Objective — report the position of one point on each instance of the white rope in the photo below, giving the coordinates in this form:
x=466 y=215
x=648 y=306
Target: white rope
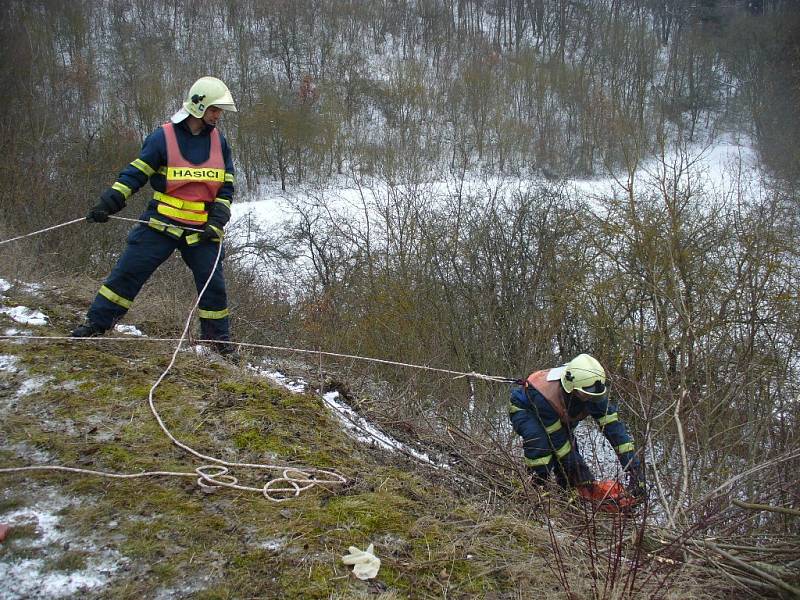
x=291 y=483
x=148 y=223
x=32 y=233
x=457 y=374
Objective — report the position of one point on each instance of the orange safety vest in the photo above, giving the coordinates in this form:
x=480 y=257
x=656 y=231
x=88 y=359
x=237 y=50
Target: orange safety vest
x=554 y=394
x=190 y=187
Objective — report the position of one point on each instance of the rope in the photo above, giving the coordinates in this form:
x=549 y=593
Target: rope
x=148 y=223
x=294 y=480
x=456 y=374
x=31 y=234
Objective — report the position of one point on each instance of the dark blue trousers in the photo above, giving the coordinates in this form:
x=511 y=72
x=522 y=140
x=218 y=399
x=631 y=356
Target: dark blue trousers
x=540 y=455
x=146 y=250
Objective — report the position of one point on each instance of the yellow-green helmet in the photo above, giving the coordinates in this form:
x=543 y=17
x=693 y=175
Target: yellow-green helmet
x=584 y=373
x=205 y=92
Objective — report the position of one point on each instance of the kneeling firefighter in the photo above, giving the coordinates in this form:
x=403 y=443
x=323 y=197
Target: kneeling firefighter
x=189 y=166
x=544 y=412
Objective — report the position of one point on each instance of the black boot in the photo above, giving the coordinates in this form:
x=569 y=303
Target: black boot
x=561 y=478
x=537 y=478
x=228 y=351
x=88 y=329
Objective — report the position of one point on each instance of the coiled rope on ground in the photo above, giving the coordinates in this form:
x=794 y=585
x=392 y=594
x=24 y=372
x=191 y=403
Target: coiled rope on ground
x=290 y=484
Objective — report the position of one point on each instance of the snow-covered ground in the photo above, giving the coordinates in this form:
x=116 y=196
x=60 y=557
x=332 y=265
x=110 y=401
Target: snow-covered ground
x=33 y=576
x=720 y=165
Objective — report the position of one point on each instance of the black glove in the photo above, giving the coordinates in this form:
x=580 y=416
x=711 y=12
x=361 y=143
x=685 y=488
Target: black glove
x=111 y=201
x=211 y=232
x=218 y=216
x=637 y=487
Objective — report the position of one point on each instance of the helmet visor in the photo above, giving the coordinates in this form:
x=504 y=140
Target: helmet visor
x=598 y=388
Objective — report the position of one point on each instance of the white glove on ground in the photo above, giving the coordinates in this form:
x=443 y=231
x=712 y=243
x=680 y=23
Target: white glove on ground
x=365 y=563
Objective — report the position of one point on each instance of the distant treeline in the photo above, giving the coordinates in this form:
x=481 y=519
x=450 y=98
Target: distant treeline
x=552 y=87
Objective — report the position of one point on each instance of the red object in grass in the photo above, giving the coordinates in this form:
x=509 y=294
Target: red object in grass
x=3 y=531
x=607 y=496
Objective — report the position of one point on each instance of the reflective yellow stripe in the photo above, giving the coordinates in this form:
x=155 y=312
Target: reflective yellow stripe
x=603 y=421
x=159 y=226
x=186 y=215
x=195 y=174
x=229 y=178
x=163 y=171
x=192 y=238
x=539 y=462
x=623 y=448
x=554 y=427
x=212 y=314
x=178 y=202
x=513 y=408
x=114 y=297
x=564 y=450
x=223 y=201
x=143 y=167
x=122 y=189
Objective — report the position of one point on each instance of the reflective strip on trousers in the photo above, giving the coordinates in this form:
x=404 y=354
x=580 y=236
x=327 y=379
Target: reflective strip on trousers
x=623 y=448
x=111 y=295
x=553 y=428
x=564 y=450
x=613 y=417
x=539 y=462
x=213 y=314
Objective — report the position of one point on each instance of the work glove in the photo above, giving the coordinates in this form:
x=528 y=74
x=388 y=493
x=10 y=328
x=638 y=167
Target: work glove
x=111 y=201
x=211 y=232
x=637 y=486
x=365 y=563
x=218 y=216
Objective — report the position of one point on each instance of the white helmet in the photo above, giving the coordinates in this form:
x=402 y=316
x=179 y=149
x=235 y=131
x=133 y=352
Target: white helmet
x=586 y=374
x=205 y=92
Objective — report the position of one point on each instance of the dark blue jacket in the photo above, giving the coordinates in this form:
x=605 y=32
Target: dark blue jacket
x=603 y=411
x=153 y=156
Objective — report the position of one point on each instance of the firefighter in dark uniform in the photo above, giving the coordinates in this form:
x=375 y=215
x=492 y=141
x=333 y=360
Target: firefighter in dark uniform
x=189 y=166
x=545 y=410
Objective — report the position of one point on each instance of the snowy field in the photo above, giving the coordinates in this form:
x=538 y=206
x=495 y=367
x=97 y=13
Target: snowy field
x=727 y=164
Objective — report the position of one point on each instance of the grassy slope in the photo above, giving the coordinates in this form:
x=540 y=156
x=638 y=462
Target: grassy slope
x=434 y=539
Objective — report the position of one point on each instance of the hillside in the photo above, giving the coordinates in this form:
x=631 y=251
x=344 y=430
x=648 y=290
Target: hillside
x=85 y=405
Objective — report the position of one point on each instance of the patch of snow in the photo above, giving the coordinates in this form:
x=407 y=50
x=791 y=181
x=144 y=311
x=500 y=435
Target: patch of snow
x=8 y=362
x=43 y=516
x=273 y=544
x=31 y=453
x=33 y=289
x=297 y=385
x=129 y=330
x=33 y=577
x=32 y=385
x=29 y=578
x=58 y=585
x=15 y=331
x=4 y=286
x=199 y=349
x=25 y=315
x=365 y=432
